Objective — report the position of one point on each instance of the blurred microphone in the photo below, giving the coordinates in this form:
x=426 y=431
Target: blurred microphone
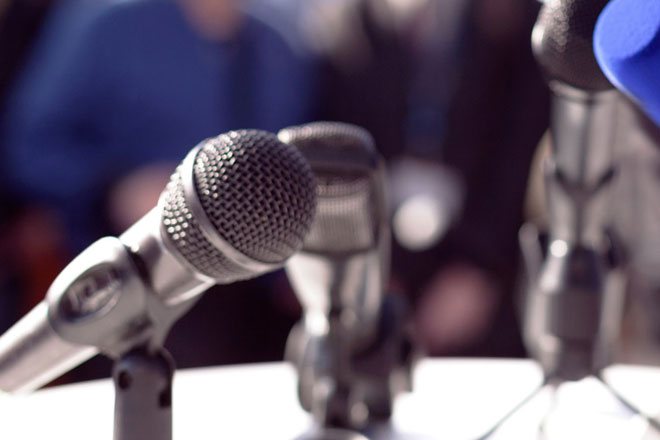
x=237 y=206
x=627 y=46
x=344 y=262
x=570 y=317
x=339 y=274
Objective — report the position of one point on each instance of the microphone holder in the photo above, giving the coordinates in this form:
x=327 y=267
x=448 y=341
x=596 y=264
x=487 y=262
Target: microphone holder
x=350 y=388
x=143 y=395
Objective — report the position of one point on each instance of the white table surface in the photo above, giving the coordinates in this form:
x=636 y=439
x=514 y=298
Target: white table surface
x=452 y=399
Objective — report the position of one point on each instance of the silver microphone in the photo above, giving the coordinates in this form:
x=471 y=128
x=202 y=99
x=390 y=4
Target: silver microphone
x=570 y=316
x=239 y=205
x=339 y=277
x=344 y=262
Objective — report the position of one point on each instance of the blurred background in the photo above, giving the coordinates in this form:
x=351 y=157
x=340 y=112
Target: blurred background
x=100 y=99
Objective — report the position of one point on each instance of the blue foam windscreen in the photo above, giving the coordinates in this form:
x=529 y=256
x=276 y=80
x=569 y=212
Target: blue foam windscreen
x=627 y=47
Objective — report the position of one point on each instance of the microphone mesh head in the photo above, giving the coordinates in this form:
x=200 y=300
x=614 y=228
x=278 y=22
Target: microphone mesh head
x=563 y=43
x=257 y=192
x=350 y=201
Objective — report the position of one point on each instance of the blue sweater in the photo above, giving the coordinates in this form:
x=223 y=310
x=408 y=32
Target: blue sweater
x=129 y=83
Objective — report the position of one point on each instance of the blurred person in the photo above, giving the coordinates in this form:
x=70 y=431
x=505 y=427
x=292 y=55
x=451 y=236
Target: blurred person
x=498 y=113
x=113 y=98
x=365 y=66
x=139 y=84
x=20 y=22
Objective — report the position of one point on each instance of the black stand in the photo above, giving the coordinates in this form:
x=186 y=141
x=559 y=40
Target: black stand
x=143 y=395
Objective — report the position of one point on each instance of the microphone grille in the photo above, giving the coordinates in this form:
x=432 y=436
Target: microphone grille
x=184 y=231
x=350 y=200
x=563 y=43
x=257 y=192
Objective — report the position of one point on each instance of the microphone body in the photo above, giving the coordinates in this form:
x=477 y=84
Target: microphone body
x=569 y=324
x=126 y=292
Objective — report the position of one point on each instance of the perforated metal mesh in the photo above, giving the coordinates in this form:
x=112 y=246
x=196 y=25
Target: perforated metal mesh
x=259 y=195
x=563 y=45
x=185 y=233
x=349 y=196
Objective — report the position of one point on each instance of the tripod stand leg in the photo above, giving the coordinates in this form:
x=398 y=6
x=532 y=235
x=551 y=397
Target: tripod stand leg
x=513 y=410
x=543 y=426
x=655 y=424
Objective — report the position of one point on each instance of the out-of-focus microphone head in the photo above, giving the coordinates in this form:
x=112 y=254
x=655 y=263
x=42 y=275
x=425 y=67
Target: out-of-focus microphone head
x=627 y=46
x=350 y=192
x=562 y=43
x=239 y=203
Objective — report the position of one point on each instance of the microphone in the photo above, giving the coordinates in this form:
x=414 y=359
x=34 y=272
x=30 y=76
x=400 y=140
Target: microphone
x=237 y=206
x=627 y=47
x=344 y=262
x=570 y=313
x=340 y=274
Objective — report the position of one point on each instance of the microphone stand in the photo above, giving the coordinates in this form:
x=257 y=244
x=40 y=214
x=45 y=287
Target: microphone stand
x=143 y=395
x=350 y=389
x=575 y=302
x=132 y=332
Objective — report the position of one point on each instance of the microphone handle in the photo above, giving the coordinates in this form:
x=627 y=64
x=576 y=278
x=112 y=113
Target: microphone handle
x=103 y=301
x=32 y=353
x=84 y=306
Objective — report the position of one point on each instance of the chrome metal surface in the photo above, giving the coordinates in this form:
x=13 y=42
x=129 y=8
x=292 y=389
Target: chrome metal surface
x=344 y=263
x=32 y=353
x=581 y=169
x=352 y=285
x=349 y=349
